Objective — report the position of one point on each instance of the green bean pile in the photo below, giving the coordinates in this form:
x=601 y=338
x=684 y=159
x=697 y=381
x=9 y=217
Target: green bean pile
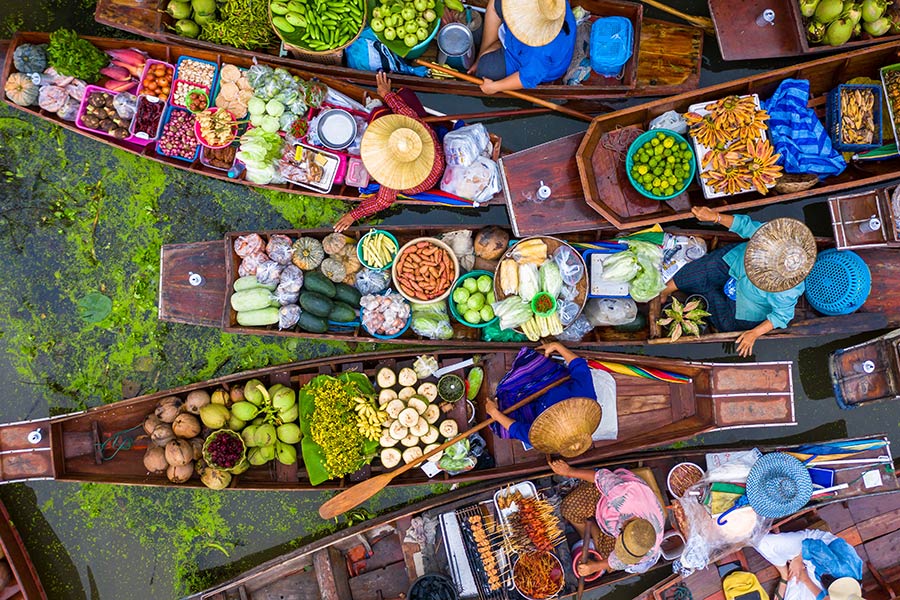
x=319 y=25
x=244 y=24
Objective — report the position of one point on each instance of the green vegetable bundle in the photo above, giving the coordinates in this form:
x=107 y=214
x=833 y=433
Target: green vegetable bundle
x=75 y=57
x=318 y=25
x=243 y=24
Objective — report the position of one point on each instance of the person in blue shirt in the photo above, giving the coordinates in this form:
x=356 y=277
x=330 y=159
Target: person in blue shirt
x=524 y=43
x=580 y=384
x=767 y=273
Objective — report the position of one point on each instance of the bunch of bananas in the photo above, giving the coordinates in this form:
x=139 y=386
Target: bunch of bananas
x=740 y=168
x=732 y=112
x=369 y=418
x=857 y=116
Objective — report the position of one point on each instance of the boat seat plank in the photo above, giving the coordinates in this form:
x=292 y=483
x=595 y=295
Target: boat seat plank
x=642 y=404
x=646 y=473
x=391 y=581
x=25 y=465
x=386 y=550
x=179 y=301
x=876 y=526
x=740 y=39
x=704 y=583
x=884 y=552
x=871 y=506
x=747 y=410
x=15 y=436
x=750 y=377
x=838 y=515
x=331 y=575
x=668 y=55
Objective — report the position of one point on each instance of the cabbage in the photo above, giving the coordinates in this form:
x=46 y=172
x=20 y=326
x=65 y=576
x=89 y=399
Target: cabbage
x=431 y=320
x=551 y=280
x=621 y=266
x=647 y=284
x=645 y=251
x=512 y=312
x=256 y=106
x=529 y=282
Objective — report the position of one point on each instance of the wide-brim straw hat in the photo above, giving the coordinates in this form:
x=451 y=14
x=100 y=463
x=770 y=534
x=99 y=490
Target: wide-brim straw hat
x=397 y=151
x=780 y=255
x=566 y=427
x=778 y=485
x=637 y=539
x=845 y=588
x=534 y=22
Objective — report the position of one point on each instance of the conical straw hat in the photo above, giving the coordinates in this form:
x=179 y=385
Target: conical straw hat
x=637 y=539
x=566 y=427
x=780 y=255
x=397 y=151
x=534 y=22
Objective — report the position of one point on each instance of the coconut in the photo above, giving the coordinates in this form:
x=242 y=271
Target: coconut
x=214 y=416
x=195 y=401
x=186 y=426
x=838 y=32
x=253 y=391
x=808 y=7
x=197 y=445
x=179 y=453
x=220 y=397
x=180 y=474
x=878 y=27
x=829 y=10
x=162 y=435
x=155 y=460
x=168 y=408
x=236 y=393
x=245 y=411
x=151 y=422
x=215 y=479
x=491 y=242
x=872 y=10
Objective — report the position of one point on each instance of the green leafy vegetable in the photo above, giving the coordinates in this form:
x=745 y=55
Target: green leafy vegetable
x=551 y=280
x=75 y=57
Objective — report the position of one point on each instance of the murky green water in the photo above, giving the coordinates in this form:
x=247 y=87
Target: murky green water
x=77 y=216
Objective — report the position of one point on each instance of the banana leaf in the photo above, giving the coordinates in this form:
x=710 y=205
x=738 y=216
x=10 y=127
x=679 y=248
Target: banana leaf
x=314 y=461
x=396 y=45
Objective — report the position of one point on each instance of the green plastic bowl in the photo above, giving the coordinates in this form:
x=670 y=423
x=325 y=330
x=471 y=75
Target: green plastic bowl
x=359 y=253
x=455 y=313
x=636 y=144
x=534 y=302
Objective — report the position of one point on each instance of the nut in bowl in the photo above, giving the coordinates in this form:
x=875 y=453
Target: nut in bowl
x=425 y=270
x=215 y=127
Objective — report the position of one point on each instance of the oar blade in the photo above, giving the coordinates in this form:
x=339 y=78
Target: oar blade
x=354 y=496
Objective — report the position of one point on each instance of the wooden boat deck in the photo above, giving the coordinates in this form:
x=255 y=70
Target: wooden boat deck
x=678 y=47
x=850 y=211
x=853 y=386
x=24 y=584
x=651 y=413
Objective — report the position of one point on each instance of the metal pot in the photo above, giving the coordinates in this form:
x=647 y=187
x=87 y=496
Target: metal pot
x=336 y=128
x=456 y=46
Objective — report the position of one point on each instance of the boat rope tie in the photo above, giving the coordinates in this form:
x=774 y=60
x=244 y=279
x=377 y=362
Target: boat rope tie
x=679 y=592
x=118 y=441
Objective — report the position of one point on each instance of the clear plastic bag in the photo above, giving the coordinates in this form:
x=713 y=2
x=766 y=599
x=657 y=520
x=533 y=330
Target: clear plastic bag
x=478 y=181
x=463 y=247
x=251 y=263
x=279 y=249
x=610 y=311
x=288 y=315
x=432 y=321
x=464 y=145
x=125 y=105
x=372 y=282
x=69 y=110
x=670 y=120
x=567 y=312
x=569 y=292
x=577 y=330
x=571 y=268
x=269 y=273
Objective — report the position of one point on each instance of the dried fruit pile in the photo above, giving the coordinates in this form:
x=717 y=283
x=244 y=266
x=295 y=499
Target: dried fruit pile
x=857 y=116
x=892 y=87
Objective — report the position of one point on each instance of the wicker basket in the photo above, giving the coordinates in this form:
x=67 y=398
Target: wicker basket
x=325 y=57
x=790 y=183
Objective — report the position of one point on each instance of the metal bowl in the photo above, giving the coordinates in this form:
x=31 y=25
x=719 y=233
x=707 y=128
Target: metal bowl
x=336 y=128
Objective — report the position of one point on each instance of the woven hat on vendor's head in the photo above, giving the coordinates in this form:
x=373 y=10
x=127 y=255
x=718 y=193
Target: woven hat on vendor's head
x=845 y=588
x=534 y=22
x=780 y=255
x=778 y=485
x=637 y=539
x=397 y=151
x=566 y=427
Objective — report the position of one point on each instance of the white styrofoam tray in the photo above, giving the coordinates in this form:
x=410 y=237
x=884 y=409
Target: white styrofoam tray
x=526 y=488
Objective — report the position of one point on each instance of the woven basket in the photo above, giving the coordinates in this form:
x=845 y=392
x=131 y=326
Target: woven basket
x=325 y=57
x=790 y=183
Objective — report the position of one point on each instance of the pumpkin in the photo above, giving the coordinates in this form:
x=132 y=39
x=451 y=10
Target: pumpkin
x=21 y=90
x=308 y=253
x=335 y=243
x=30 y=58
x=333 y=269
x=351 y=263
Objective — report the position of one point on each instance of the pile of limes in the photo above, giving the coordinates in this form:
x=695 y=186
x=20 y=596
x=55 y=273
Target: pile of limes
x=662 y=164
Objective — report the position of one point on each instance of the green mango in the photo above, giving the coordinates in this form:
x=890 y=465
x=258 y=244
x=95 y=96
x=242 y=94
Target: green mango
x=288 y=433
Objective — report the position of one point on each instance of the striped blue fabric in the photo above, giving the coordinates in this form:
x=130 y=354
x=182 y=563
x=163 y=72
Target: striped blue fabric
x=797 y=133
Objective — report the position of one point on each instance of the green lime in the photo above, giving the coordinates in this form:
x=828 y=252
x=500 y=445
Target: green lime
x=668 y=142
x=643 y=169
x=683 y=146
x=660 y=135
x=655 y=142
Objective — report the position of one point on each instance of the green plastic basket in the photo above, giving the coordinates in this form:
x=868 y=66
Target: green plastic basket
x=636 y=144
x=455 y=313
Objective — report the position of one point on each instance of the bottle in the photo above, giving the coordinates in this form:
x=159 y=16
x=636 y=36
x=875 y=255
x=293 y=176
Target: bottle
x=766 y=17
x=866 y=366
x=871 y=224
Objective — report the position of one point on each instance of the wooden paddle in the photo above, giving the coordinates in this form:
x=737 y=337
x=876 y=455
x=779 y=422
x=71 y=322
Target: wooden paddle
x=583 y=559
x=362 y=491
x=704 y=23
x=495 y=114
x=512 y=93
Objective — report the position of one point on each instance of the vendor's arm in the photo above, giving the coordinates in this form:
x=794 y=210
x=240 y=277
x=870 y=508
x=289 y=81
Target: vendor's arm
x=382 y=199
x=493 y=411
x=797 y=570
x=746 y=340
x=558 y=348
x=564 y=469
x=508 y=83
x=591 y=566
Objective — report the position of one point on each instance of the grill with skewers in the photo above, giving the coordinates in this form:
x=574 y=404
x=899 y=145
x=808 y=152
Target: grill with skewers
x=483 y=541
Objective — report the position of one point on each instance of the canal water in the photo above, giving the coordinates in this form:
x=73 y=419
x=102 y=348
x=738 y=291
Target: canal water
x=78 y=217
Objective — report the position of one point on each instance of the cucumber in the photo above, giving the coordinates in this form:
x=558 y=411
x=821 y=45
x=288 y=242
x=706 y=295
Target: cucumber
x=316 y=303
x=295 y=19
x=347 y=294
x=256 y=318
x=342 y=313
x=249 y=282
x=252 y=299
x=311 y=323
x=315 y=281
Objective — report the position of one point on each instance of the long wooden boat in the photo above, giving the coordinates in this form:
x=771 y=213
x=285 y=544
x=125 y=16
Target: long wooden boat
x=741 y=38
x=870 y=523
x=650 y=413
x=23 y=583
x=868 y=372
x=589 y=186
x=208 y=304
x=170 y=53
x=332 y=567
x=667 y=59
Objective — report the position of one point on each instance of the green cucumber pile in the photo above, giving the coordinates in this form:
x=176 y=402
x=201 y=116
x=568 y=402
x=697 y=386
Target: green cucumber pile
x=319 y=25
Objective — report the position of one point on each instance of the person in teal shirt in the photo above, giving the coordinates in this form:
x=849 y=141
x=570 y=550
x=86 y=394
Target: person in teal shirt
x=766 y=275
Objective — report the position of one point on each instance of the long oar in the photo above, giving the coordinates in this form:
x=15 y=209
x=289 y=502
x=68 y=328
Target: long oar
x=704 y=23
x=583 y=559
x=515 y=94
x=361 y=492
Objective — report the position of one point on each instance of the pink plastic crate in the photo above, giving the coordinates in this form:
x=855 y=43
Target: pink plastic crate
x=82 y=109
x=150 y=63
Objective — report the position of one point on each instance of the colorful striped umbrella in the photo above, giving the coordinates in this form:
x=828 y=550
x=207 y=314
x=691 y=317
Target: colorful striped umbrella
x=636 y=371
x=812 y=453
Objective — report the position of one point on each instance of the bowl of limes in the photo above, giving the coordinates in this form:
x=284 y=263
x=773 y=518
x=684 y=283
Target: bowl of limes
x=660 y=164
x=471 y=299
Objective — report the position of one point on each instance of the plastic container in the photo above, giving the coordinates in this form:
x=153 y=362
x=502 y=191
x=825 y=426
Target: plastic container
x=332 y=162
x=82 y=110
x=356 y=174
x=140 y=135
x=359 y=252
x=597 y=286
x=189 y=87
x=545 y=313
x=592 y=555
x=203 y=92
x=611 y=46
x=381 y=336
x=895 y=118
x=833 y=117
x=839 y=282
x=205 y=161
x=165 y=119
x=147 y=66
x=676 y=467
x=629 y=162
x=203 y=141
x=336 y=128
x=455 y=313
x=526 y=488
x=419 y=49
x=201 y=84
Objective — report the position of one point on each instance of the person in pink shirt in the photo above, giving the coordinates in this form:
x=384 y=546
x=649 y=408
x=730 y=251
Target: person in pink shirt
x=626 y=508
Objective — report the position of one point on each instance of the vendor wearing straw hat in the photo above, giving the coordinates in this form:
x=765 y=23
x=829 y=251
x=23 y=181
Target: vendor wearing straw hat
x=625 y=507
x=524 y=43
x=400 y=152
x=767 y=273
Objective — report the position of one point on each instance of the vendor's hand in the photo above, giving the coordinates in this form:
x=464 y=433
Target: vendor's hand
x=796 y=568
x=782 y=571
x=550 y=347
x=344 y=222
x=489 y=86
x=705 y=214
x=589 y=568
x=745 y=342
x=471 y=70
x=382 y=84
x=560 y=467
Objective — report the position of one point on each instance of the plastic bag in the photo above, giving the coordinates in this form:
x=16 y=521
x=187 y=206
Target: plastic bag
x=269 y=273
x=571 y=268
x=463 y=146
x=368 y=54
x=257 y=75
x=372 y=282
x=285 y=296
x=432 y=321
x=69 y=110
x=288 y=316
x=279 y=249
x=679 y=250
x=529 y=282
x=493 y=333
x=251 y=262
x=463 y=247
x=569 y=292
x=567 y=312
x=456 y=459
x=610 y=311
x=125 y=105
x=670 y=120
x=577 y=330
x=512 y=312
x=478 y=181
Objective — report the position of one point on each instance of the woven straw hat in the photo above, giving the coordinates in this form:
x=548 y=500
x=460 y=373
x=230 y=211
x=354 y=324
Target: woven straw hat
x=566 y=427
x=845 y=588
x=397 y=151
x=780 y=255
x=534 y=22
x=637 y=539
x=778 y=485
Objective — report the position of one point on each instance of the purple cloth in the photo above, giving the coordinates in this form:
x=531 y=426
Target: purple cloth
x=530 y=372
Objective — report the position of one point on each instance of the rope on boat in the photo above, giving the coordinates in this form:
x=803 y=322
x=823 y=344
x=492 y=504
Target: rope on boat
x=679 y=592
x=619 y=140
x=116 y=443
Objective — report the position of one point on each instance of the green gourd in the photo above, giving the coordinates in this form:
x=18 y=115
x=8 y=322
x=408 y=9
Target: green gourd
x=311 y=323
x=314 y=281
x=347 y=294
x=252 y=299
x=342 y=313
x=259 y=317
x=316 y=303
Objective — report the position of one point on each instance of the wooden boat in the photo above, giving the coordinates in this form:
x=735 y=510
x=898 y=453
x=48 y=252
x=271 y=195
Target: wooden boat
x=851 y=219
x=208 y=303
x=333 y=567
x=170 y=53
x=23 y=583
x=651 y=413
x=667 y=58
x=870 y=523
x=741 y=38
x=868 y=372
x=589 y=186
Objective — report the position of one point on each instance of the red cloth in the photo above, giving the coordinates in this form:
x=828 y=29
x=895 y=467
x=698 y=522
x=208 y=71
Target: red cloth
x=386 y=196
